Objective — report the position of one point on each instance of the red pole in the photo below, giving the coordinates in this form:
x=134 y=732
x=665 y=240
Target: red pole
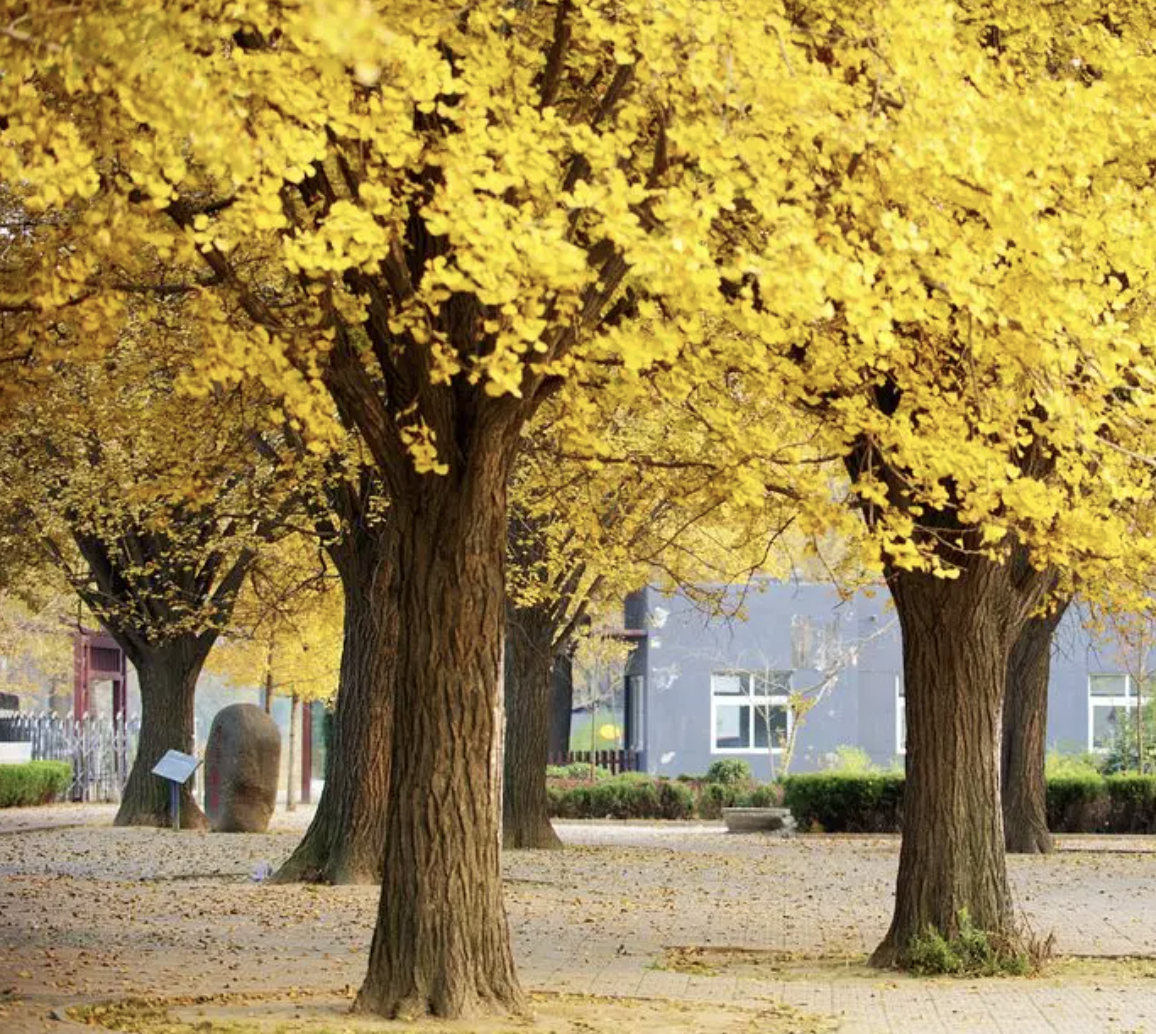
x=80 y=677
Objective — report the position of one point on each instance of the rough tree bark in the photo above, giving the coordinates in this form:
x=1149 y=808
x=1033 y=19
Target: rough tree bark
x=529 y=672
x=168 y=680
x=1025 y=722
x=441 y=944
x=956 y=638
x=561 y=702
x=345 y=842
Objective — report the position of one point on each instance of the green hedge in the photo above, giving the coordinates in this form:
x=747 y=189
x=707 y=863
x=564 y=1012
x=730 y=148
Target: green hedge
x=34 y=782
x=627 y=796
x=873 y=803
x=845 y=802
x=842 y=802
x=634 y=795
x=1131 y=803
x=1078 y=804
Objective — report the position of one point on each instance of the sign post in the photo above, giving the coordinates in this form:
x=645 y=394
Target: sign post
x=176 y=768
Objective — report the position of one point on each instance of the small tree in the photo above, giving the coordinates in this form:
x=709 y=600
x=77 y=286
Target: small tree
x=1129 y=640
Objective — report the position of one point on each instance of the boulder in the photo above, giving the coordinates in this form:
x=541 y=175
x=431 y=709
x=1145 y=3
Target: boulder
x=242 y=759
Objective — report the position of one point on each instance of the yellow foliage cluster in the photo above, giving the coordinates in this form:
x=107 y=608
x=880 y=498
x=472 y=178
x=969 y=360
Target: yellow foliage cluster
x=286 y=629
x=903 y=244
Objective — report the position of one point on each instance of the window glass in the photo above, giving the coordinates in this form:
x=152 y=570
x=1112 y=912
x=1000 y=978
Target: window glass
x=778 y=726
x=732 y=726
x=726 y=683
x=1105 y=722
x=1108 y=685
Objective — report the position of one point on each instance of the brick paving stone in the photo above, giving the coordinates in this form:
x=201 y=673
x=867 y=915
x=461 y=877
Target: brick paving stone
x=595 y=918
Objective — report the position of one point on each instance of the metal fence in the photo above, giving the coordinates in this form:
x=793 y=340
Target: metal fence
x=615 y=760
x=100 y=749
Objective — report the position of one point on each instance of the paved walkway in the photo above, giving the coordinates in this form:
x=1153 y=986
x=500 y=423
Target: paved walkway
x=88 y=911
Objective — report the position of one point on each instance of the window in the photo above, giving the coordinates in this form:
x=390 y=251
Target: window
x=900 y=717
x=750 y=711
x=1110 y=697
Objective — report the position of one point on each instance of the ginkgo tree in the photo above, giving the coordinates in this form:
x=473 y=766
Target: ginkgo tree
x=151 y=506
x=985 y=368
x=345 y=842
x=428 y=217
x=1023 y=746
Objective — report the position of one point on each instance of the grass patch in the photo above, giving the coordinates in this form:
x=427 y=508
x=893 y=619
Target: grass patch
x=971 y=952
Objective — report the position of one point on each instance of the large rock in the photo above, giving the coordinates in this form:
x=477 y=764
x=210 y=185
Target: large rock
x=242 y=759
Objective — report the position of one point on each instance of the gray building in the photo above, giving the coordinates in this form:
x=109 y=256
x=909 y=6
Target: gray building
x=699 y=688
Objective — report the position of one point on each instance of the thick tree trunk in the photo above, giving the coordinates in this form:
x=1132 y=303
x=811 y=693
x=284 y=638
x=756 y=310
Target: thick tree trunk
x=561 y=703
x=442 y=944
x=168 y=680
x=529 y=672
x=956 y=639
x=345 y=842
x=1025 y=724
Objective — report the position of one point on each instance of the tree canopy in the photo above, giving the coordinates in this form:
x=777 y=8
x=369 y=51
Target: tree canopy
x=925 y=219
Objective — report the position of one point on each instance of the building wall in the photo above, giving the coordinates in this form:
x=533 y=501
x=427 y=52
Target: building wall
x=1074 y=656
x=685 y=646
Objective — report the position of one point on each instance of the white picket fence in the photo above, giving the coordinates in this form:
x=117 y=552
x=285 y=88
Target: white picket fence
x=100 y=748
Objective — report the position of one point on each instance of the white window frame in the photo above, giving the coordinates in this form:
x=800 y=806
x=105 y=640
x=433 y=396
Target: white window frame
x=749 y=699
x=1127 y=702
x=900 y=717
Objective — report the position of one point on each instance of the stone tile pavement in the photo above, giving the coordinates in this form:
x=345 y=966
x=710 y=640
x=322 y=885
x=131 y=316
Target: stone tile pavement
x=89 y=911
x=622 y=894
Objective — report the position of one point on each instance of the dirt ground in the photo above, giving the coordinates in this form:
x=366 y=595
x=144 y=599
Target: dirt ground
x=631 y=928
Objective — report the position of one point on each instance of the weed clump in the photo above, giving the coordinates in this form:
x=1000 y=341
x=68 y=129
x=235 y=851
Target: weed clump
x=972 y=952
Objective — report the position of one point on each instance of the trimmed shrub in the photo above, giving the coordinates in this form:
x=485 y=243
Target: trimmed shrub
x=840 y=802
x=837 y=802
x=675 y=801
x=1131 y=803
x=631 y=795
x=625 y=797
x=34 y=782
x=576 y=770
x=769 y=795
x=713 y=797
x=729 y=772
x=1078 y=804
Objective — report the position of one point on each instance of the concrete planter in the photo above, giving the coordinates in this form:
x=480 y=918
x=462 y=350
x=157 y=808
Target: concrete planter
x=759 y=820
